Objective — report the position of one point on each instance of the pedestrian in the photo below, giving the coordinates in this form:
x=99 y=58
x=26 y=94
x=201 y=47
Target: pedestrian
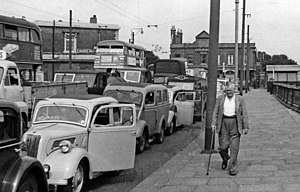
x=230 y=121
x=115 y=77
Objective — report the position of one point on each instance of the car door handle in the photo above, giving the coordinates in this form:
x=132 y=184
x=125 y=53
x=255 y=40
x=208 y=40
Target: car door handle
x=133 y=133
x=17 y=150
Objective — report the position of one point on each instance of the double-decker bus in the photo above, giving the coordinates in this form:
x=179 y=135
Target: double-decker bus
x=22 y=42
x=128 y=58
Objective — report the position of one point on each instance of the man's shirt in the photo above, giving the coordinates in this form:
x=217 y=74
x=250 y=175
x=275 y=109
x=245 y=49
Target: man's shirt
x=229 y=106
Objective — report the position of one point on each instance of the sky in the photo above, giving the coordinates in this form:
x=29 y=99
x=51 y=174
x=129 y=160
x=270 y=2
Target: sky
x=273 y=24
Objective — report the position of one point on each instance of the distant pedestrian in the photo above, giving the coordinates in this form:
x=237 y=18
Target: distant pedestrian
x=230 y=120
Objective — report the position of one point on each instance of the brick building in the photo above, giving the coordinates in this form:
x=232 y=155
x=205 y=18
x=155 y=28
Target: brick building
x=85 y=36
x=196 y=54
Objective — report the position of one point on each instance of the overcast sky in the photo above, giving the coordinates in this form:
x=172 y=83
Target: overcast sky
x=274 y=26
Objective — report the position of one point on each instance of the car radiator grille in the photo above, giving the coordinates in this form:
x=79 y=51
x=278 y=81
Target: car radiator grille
x=33 y=145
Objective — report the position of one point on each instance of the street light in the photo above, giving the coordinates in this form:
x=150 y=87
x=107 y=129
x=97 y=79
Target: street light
x=138 y=30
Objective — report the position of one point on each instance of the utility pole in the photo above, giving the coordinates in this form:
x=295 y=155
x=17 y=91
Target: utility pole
x=53 y=50
x=212 y=70
x=236 y=51
x=242 y=50
x=248 y=61
x=70 y=41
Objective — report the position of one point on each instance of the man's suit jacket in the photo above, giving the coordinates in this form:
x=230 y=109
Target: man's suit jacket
x=240 y=111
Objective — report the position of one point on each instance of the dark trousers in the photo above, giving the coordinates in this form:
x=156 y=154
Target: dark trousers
x=229 y=137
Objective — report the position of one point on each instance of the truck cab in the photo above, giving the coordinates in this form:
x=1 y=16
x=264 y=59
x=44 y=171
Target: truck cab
x=11 y=88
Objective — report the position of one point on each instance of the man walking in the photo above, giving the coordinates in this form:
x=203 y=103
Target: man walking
x=230 y=120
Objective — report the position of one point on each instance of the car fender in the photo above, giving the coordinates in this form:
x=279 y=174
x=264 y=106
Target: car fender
x=140 y=126
x=20 y=168
x=170 y=117
x=64 y=165
x=162 y=119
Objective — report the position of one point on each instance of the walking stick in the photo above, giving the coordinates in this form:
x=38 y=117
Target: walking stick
x=210 y=152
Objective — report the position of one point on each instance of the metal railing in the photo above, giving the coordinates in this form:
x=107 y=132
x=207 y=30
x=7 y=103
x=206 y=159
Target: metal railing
x=288 y=94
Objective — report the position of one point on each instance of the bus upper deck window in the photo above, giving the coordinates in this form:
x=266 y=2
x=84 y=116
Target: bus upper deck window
x=116 y=49
x=23 y=34
x=34 y=36
x=11 y=32
x=103 y=49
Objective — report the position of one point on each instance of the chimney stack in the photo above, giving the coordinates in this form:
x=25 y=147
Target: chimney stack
x=93 y=19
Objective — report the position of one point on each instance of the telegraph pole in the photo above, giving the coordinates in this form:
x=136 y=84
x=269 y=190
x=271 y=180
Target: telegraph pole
x=242 y=50
x=248 y=61
x=70 y=41
x=212 y=70
x=53 y=50
x=236 y=51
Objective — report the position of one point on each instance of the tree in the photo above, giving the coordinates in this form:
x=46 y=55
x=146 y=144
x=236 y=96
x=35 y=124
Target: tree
x=150 y=57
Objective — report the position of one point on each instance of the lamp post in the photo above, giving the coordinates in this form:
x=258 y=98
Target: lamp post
x=138 y=30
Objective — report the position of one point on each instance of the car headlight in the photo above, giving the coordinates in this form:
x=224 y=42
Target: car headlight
x=65 y=146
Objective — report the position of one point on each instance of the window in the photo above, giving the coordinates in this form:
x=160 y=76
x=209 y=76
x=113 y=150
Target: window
x=149 y=99
x=230 y=59
x=11 y=32
x=177 y=55
x=219 y=59
x=35 y=38
x=9 y=128
x=203 y=57
x=190 y=58
x=23 y=34
x=158 y=97
x=11 y=77
x=1 y=30
x=165 y=95
x=67 y=44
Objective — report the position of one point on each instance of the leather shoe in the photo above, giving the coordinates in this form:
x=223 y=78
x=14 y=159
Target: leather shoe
x=224 y=164
x=232 y=173
x=225 y=161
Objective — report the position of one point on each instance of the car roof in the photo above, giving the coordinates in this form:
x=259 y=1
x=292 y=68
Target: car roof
x=137 y=85
x=87 y=100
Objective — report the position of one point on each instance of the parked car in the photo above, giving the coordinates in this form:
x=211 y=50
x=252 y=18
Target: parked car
x=151 y=101
x=80 y=137
x=17 y=173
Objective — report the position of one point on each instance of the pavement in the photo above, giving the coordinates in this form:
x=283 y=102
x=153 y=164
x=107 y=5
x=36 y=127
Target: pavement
x=269 y=156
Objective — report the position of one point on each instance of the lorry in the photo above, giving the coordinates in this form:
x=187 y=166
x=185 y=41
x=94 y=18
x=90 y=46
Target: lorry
x=26 y=95
x=165 y=68
x=97 y=80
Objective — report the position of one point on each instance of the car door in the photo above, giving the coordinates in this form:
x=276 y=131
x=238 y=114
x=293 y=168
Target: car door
x=149 y=112
x=12 y=86
x=112 y=138
x=185 y=104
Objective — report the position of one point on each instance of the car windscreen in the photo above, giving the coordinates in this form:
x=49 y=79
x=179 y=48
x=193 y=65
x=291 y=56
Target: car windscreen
x=124 y=96
x=64 y=113
x=132 y=76
x=63 y=77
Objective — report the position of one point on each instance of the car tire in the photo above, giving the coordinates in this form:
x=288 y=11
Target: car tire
x=161 y=136
x=78 y=181
x=141 y=143
x=171 y=128
x=28 y=184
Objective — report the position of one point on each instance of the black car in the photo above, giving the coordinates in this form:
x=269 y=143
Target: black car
x=17 y=173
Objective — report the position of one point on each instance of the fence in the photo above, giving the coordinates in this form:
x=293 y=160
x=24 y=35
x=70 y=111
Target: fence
x=288 y=94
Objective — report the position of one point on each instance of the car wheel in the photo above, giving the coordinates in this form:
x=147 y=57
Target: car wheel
x=28 y=184
x=170 y=129
x=161 y=136
x=141 y=143
x=77 y=182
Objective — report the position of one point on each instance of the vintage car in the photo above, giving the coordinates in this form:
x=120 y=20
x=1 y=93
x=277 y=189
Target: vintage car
x=152 y=106
x=79 y=137
x=17 y=173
